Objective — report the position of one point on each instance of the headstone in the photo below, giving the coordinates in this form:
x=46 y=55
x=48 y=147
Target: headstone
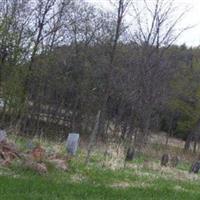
x=174 y=161
x=72 y=143
x=164 y=160
x=3 y=135
x=130 y=154
x=2 y=103
x=195 y=167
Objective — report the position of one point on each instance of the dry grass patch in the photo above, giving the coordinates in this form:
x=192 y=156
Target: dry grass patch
x=78 y=178
x=136 y=184
x=168 y=172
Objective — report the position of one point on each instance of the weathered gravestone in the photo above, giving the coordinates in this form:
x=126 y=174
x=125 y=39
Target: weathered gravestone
x=164 y=160
x=72 y=143
x=195 y=167
x=130 y=154
x=2 y=103
x=3 y=135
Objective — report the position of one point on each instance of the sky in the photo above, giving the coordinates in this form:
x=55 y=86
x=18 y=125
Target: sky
x=191 y=37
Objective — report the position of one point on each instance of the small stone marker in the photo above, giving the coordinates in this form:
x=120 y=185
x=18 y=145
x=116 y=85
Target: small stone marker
x=130 y=154
x=3 y=135
x=195 y=167
x=164 y=160
x=72 y=143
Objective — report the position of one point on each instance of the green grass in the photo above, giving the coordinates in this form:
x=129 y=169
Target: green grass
x=59 y=186
x=184 y=166
x=95 y=184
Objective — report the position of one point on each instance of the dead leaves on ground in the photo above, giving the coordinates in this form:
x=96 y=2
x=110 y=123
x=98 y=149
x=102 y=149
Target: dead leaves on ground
x=35 y=159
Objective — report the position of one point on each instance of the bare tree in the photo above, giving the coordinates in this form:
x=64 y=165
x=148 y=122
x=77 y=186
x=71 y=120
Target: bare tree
x=122 y=7
x=156 y=31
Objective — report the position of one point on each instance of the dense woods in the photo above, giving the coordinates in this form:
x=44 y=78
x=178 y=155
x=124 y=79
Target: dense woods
x=62 y=62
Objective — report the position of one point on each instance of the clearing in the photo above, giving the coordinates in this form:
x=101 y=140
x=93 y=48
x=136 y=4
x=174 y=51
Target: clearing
x=143 y=178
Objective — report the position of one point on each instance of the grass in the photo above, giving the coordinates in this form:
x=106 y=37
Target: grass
x=93 y=182
x=184 y=166
x=98 y=184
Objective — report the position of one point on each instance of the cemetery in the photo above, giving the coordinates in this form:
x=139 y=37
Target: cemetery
x=99 y=100
x=59 y=170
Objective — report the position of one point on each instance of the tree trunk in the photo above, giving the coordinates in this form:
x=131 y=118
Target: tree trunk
x=195 y=146
x=187 y=142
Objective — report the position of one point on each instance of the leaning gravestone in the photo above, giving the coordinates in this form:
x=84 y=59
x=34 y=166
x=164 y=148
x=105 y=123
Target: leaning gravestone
x=72 y=143
x=3 y=135
x=195 y=167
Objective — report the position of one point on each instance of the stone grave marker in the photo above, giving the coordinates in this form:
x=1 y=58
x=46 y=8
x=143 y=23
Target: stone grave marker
x=2 y=103
x=3 y=135
x=165 y=160
x=72 y=143
x=130 y=154
x=195 y=167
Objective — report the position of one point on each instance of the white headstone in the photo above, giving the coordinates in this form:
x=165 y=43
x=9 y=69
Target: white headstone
x=2 y=103
x=3 y=135
x=72 y=143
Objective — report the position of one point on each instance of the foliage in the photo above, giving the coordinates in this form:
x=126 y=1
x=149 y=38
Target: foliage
x=186 y=99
